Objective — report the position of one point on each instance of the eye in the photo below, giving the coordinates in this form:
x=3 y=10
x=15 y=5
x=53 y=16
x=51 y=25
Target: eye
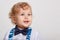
x=29 y=14
x=22 y=14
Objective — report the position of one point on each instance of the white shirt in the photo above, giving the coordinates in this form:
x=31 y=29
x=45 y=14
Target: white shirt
x=34 y=36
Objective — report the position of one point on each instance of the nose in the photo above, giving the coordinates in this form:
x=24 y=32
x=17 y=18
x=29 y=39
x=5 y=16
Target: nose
x=26 y=16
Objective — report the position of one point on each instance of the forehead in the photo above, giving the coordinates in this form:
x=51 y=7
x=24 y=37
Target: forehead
x=25 y=10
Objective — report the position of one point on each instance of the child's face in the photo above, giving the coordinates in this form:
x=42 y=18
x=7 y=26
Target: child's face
x=24 y=18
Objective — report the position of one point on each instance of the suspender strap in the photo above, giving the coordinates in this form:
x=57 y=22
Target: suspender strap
x=28 y=34
x=11 y=34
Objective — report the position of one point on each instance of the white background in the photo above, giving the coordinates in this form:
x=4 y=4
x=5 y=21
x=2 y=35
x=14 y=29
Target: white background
x=46 y=17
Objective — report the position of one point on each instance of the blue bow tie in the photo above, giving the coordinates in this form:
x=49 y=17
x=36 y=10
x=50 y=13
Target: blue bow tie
x=24 y=32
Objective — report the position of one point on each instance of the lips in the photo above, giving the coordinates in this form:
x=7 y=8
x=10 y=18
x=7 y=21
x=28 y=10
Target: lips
x=26 y=21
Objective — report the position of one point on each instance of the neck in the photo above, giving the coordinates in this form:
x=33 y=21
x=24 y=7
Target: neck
x=21 y=27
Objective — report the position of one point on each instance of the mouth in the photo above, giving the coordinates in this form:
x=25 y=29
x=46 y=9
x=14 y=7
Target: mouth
x=26 y=22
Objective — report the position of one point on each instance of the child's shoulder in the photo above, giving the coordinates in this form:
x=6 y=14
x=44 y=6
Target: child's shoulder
x=35 y=32
x=7 y=34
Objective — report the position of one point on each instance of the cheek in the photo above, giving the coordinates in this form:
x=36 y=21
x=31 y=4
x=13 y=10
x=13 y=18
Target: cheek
x=30 y=18
x=20 y=19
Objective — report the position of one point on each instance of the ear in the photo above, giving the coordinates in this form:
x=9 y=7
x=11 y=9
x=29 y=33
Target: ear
x=14 y=19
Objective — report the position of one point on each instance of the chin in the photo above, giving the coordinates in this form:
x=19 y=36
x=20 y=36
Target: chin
x=26 y=26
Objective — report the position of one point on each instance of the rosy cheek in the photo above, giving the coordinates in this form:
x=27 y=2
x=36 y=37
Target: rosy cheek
x=20 y=16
